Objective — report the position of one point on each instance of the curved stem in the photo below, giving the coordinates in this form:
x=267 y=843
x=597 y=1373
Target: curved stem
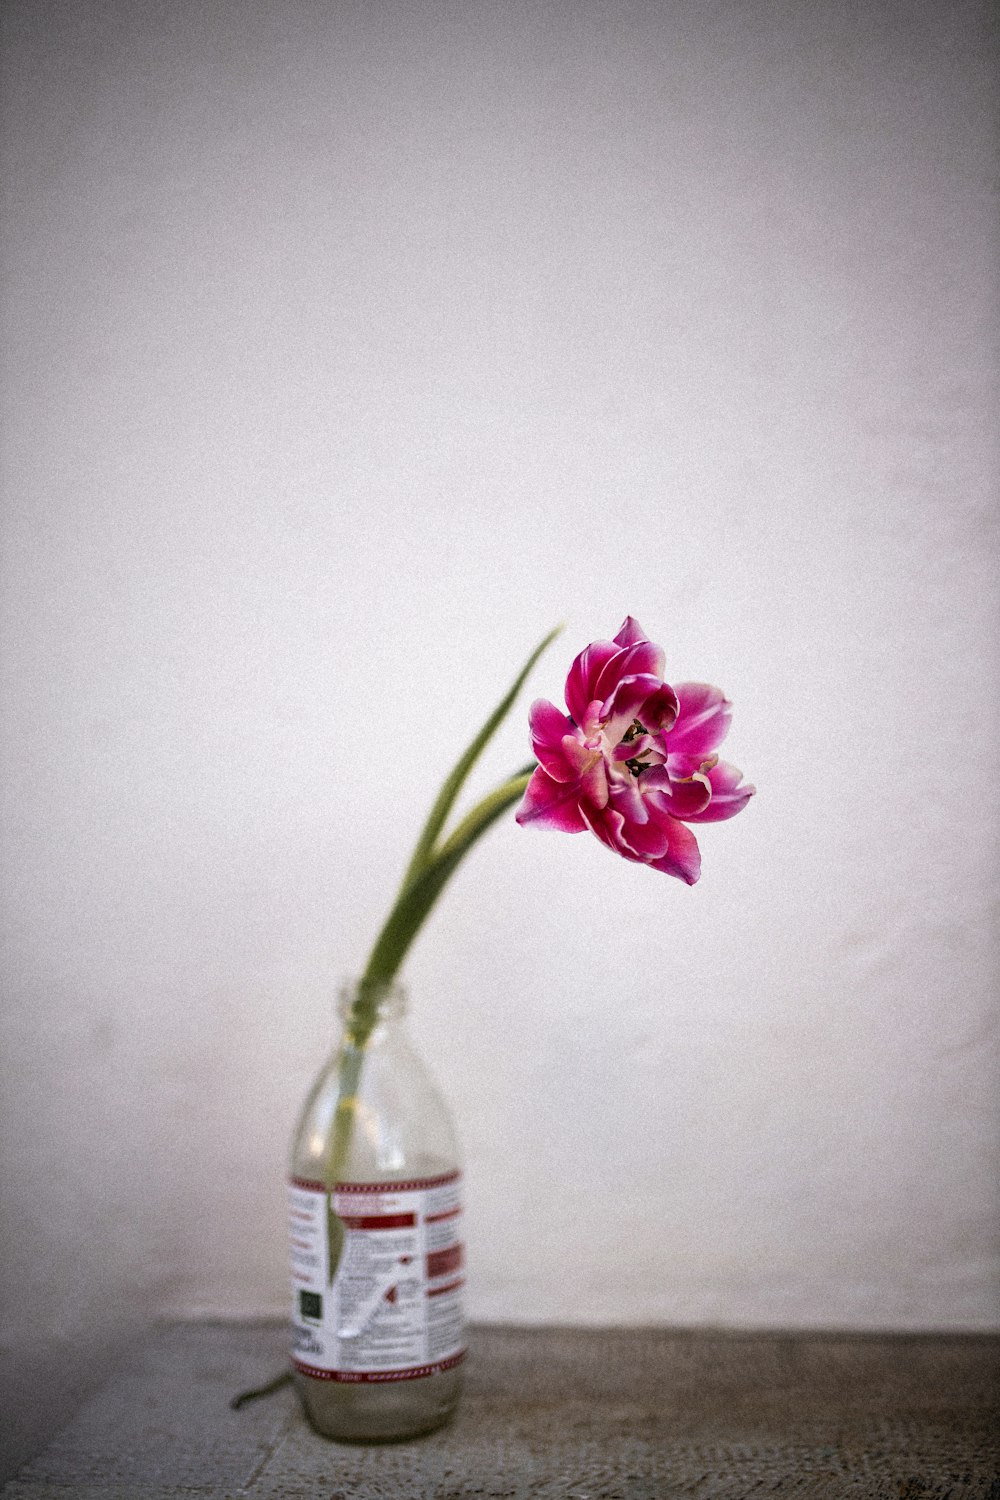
x=404 y=922
x=423 y=853
x=426 y=875
x=416 y=899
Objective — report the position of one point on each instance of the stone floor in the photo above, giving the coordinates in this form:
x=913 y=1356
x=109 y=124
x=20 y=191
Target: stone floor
x=555 y=1415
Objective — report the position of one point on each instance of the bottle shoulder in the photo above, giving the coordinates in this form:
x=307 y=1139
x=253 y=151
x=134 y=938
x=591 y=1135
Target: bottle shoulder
x=401 y=1125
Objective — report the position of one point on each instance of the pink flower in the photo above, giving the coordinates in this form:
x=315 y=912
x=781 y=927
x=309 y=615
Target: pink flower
x=634 y=761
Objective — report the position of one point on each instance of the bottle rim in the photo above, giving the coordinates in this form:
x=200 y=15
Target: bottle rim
x=390 y=996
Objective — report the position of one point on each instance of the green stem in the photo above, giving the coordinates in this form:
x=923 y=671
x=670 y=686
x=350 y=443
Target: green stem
x=348 y=1079
x=430 y=868
x=416 y=899
x=424 y=851
x=405 y=920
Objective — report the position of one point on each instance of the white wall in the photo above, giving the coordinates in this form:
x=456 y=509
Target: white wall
x=348 y=347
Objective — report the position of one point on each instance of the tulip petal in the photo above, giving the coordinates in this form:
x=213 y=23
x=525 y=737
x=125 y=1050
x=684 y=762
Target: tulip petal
x=683 y=857
x=636 y=749
x=670 y=847
x=660 y=710
x=678 y=799
x=683 y=767
x=702 y=720
x=550 y=804
x=548 y=723
x=627 y=799
x=630 y=633
x=550 y=729
x=586 y=769
x=594 y=783
x=621 y=837
x=606 y=824
x=643 y=657
x=583 y=674
x=729 y=795
x=644 y=841
x=643 y=697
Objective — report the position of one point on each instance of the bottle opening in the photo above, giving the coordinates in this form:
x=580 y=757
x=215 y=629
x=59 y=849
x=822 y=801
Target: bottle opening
x=381 y=999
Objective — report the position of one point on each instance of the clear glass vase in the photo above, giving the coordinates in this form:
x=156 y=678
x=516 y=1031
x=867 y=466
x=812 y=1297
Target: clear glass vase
x=375 y=1235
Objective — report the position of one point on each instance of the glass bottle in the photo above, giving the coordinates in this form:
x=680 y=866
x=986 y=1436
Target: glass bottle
x=377 y=1264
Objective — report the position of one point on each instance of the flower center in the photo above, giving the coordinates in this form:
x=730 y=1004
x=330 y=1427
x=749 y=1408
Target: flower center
x=636 y=764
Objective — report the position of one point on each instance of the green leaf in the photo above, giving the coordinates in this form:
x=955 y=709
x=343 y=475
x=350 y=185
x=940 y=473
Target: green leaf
x=428 y=871
x=419 y=895
x=437 y=817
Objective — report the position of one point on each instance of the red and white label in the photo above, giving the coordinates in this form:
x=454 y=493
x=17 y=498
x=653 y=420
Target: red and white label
x=394 y=1310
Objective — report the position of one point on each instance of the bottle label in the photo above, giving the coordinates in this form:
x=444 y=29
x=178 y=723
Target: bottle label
x=394 y=1310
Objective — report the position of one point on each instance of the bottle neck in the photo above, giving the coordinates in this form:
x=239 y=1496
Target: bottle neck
x=364 y=1006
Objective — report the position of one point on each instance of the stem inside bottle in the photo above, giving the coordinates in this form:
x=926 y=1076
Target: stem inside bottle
x=375 y=1219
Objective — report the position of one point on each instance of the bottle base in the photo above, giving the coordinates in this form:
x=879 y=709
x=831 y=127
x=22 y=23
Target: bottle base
x=389 y=1412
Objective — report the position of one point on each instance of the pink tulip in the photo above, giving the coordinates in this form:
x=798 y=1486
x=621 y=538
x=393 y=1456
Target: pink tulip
x=634 y=760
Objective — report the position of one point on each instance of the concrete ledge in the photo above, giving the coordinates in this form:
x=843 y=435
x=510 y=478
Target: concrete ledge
x=555 y=1415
